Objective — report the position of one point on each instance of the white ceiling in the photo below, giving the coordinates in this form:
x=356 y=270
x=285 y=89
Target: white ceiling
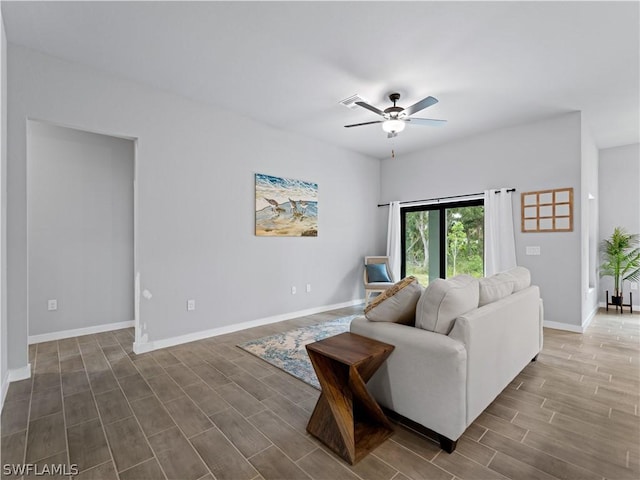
x=288 y=64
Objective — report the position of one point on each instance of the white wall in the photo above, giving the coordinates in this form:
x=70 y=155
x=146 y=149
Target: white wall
x=535 y=156
x=589 y=232
x=195 y=174
x=4 y=371
x=80 y=228
x=619 y=175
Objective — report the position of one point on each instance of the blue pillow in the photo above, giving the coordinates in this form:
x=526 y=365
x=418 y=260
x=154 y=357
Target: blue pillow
x=377 y=272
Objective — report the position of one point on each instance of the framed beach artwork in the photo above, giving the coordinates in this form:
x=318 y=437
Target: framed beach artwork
x=286 y=207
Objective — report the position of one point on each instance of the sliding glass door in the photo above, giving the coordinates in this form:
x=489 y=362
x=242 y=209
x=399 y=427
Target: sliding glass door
x=443 y=240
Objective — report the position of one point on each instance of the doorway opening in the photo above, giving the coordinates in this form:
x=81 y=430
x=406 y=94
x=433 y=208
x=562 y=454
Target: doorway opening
x=81 y=232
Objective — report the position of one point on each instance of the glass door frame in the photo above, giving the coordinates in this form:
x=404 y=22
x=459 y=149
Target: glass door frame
x=441 y=208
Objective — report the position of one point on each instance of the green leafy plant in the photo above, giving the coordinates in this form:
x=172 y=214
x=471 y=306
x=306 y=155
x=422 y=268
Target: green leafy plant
x=621 y=257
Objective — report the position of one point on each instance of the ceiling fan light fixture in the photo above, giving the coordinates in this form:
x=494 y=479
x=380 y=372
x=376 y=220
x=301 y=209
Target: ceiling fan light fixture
x=393 y=126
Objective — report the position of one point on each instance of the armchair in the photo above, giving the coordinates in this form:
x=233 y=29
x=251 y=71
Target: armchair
x=377 y=276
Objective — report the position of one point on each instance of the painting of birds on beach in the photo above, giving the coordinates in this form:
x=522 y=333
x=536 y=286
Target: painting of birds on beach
x=286 y=207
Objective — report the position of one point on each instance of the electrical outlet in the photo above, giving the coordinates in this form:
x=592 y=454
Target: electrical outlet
x=52 y=305
x=308 y=287
x=191 y=305
x=293 y=290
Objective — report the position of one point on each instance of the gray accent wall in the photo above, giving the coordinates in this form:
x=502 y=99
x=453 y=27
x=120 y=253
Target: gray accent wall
x=535 y=156
x=619 y=176
x=80 y=228
x=4 y=370
x=195 y=175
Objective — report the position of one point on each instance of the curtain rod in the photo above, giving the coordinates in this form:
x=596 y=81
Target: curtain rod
x=444 y=198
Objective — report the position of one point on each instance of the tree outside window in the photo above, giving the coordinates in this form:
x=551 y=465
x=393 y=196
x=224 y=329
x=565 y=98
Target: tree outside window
x=462 y=244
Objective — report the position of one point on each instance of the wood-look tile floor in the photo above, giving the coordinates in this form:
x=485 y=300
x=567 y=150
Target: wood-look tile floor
x=210 y=410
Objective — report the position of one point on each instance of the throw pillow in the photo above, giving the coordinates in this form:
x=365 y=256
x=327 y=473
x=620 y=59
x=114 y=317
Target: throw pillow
x=377 y=272
x=445 y=300
x=495 y=287
x=396 y=304
x=521 y=278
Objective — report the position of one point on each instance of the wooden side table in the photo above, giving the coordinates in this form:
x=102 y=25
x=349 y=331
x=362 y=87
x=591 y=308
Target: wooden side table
x=347 y=418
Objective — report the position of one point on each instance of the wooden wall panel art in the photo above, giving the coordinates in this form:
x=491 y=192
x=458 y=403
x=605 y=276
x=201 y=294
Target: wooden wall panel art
x=547 y=210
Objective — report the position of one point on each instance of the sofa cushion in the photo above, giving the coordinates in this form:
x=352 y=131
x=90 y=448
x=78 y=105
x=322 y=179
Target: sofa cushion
x=495 y=287
x=521 y=278
x=445 y=300
x=377 y=272
x=396 y=304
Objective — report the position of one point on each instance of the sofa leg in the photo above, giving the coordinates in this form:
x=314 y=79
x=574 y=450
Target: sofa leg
x=535 y=359
x=447 y=444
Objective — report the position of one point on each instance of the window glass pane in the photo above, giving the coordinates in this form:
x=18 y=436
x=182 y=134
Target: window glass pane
x=441 y=241
x=421 y=244
x=465 y=241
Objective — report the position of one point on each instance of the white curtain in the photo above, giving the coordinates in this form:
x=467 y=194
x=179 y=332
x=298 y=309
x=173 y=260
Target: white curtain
x=499 y=241
x=393 y=240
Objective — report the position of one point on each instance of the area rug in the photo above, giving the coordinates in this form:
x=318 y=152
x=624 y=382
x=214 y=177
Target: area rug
x=286 y=350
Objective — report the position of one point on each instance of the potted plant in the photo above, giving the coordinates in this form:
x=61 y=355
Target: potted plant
x=621 y=257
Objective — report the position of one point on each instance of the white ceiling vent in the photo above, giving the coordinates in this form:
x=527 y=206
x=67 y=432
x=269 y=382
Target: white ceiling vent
x=351 y=101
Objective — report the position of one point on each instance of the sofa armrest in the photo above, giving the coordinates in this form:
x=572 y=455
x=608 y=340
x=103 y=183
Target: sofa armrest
x=423 y=379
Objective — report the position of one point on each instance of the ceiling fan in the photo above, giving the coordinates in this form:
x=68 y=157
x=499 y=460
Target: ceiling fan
x=396 y=118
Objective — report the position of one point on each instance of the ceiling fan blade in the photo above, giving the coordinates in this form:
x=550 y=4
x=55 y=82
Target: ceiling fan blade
x=360 y=124
x=422 y=104
x=432 y=122
x=371 y=107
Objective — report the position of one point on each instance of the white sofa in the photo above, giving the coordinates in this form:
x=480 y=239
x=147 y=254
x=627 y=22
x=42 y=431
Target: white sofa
x=444 y=380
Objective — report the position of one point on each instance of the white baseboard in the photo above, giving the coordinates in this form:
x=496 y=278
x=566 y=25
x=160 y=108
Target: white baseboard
x=140 y=348
x=581 y=329
x=587 y=322
x=76 y=332
x=563 y=326
x=21 y=373
x=13 y=375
